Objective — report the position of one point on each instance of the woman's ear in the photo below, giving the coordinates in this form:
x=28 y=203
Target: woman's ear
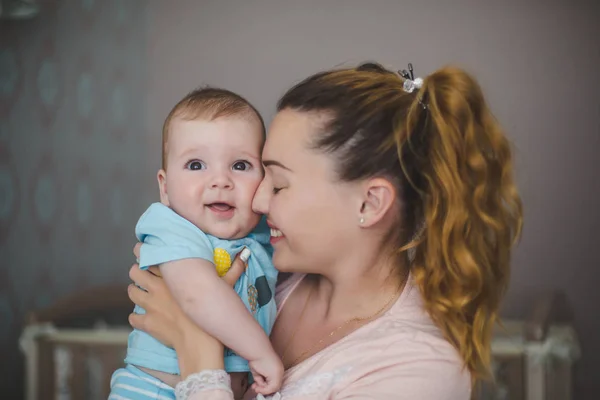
x=161 y=176
x=379 y=195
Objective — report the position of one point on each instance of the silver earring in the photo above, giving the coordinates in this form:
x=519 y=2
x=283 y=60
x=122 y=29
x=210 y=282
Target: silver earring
x=362 y=220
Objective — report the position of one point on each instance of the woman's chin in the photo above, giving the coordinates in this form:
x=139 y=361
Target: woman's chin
x=288 y=266
x=283 y=263
x=282 y=268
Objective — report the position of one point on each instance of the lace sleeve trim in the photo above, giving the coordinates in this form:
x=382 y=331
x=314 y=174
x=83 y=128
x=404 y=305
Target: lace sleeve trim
x=202 y=381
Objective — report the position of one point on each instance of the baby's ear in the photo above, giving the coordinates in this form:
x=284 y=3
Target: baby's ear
x=161 y=176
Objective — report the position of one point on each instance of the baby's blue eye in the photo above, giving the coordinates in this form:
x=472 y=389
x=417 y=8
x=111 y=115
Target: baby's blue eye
x=195 y=165
x=241 y=166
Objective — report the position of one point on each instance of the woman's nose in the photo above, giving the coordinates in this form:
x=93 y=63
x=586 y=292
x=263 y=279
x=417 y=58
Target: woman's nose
x=262 y=197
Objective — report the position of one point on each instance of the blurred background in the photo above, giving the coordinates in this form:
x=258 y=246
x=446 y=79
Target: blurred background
x=86 y=84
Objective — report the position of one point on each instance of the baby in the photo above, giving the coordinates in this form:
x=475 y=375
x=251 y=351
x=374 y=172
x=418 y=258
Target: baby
x=211 y=168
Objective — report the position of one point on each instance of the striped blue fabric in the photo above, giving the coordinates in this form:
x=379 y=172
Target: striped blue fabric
x=131 y=383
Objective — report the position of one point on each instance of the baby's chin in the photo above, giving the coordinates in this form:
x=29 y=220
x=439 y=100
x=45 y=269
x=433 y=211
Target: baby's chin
x=233 y=229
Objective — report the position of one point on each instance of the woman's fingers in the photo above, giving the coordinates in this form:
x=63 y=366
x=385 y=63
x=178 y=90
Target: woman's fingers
x=239 y=265
x=144 y=279
x=137 y=321
x=147 y=324
x=137 y=295
x=136 y=250
x=163 y=317
x=134 y=272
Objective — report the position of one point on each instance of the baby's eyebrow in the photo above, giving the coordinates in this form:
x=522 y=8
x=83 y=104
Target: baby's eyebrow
x=189 y=152
x=246 y=154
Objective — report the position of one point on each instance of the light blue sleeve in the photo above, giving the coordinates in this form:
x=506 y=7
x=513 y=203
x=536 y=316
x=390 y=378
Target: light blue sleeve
x=166 y=236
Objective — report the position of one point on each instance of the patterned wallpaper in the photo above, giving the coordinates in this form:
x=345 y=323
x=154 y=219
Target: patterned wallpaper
x=74 y=167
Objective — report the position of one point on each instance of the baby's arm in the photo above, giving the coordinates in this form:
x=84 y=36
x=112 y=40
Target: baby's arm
x=215 y=307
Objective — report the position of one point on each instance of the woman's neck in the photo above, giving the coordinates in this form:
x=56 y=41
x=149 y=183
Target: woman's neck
x=362 y=287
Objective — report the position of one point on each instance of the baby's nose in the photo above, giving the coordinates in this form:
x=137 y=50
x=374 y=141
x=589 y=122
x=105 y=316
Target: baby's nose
x=221 y=181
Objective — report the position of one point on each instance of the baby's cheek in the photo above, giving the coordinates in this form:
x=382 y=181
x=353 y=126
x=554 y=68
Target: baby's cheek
x=249 y=191
x=253 y=218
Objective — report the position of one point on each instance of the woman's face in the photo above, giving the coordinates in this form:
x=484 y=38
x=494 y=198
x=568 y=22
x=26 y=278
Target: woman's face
x=313 y=215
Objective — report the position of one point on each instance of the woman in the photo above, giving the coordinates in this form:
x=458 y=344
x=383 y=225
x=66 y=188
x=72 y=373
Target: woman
x=392 y=204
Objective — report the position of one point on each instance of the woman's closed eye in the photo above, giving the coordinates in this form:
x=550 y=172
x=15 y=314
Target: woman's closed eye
x=277 y=184
x=195 y=165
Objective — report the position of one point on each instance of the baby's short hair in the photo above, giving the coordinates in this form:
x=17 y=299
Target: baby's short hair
x=208 y=103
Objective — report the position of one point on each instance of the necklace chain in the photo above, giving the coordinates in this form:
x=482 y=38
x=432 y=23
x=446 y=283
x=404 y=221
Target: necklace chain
x=333 y=332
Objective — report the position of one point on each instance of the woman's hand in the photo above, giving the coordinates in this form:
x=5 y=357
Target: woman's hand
x=166 y=321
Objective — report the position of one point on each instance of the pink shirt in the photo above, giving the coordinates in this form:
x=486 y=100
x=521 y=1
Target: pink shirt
x=401 y=355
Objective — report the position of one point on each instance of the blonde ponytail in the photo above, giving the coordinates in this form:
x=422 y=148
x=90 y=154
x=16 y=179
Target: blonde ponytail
x=471 y=211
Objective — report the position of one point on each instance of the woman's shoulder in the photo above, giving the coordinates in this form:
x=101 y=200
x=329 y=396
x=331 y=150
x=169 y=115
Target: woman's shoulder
x=406 y=333
x=403 y=348
x=402 y=352
x=393 y=357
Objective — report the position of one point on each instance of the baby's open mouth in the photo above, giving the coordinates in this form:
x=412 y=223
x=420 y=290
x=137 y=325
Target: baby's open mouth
x=220 y=207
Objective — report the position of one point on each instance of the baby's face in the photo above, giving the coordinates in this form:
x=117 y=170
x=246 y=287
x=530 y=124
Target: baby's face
x=213 y=171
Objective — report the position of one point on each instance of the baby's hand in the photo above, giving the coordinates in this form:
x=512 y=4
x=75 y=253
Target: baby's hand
x=267 y=373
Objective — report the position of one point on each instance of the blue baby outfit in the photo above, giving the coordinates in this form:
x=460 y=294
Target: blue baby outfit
x=166 y=236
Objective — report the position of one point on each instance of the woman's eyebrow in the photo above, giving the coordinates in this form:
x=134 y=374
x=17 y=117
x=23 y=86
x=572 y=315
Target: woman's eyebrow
x=268 y=163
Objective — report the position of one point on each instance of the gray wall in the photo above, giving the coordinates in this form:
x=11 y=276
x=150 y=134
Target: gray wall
x=73 y=176
x=536 y=60
x=68 y=224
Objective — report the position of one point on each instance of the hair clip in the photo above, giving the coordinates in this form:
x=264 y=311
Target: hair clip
x=410 y=83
